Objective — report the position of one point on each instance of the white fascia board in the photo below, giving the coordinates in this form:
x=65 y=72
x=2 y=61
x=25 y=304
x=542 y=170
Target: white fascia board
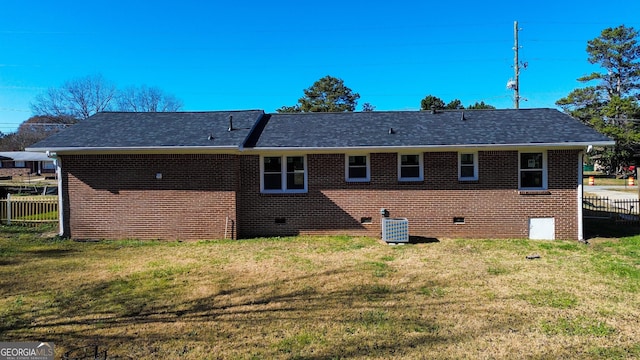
x=141 y=150
x=486 y=147
x=258 y=150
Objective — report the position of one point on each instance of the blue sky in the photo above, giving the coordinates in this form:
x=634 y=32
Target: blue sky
x=262 y=54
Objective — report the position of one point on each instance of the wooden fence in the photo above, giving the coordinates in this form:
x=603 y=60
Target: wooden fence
x=625 y=211
x=29 y=209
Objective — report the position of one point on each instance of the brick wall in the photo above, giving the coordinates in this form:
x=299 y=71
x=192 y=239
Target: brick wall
x=310 y=213
x=492 y=207
x=118 y=196
x=8 y=168
x=14 y=172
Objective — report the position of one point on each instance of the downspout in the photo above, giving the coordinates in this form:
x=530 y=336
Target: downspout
x=580 y=195
x=58 y=163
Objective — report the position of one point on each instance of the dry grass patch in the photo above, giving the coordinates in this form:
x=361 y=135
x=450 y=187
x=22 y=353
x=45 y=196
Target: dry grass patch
x=322 y=298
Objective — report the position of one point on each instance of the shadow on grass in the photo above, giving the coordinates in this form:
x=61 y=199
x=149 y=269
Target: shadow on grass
x=364 y=313
x=422 y=240
x=53 y=253
x=605 y=228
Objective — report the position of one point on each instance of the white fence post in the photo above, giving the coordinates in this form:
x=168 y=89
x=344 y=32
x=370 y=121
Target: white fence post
x=29 y=209
x=8 y=209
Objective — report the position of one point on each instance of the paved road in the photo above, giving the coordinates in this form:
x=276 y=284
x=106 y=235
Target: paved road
x=613 y=192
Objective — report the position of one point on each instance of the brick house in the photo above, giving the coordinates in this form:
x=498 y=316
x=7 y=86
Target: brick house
x=24 y=163
x=240 y=174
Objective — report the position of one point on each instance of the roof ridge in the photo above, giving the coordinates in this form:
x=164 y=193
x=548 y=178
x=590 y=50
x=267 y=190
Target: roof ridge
x=402 y=111
x=179 y=112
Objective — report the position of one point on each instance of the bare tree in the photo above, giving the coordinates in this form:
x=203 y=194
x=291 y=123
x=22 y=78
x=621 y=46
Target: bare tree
x=90 y=95
x=146 y=99
x=82 y=97
x=78 y=98
x=50 y=103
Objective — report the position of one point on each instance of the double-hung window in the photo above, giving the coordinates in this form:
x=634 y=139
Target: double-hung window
x=283 y=174
x=533 y=170
x=410 y=167
x=357 y=168
x=467 y=166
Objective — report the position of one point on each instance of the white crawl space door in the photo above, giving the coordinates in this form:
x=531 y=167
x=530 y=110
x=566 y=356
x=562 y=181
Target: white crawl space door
x=542 y=228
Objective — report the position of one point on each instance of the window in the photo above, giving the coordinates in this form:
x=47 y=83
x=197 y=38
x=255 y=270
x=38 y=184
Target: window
x=283 y=174
x=19 y=164
x=467 y=166
x=357 y=168
x=272 y=173
x=533 y=172
x=410 y=167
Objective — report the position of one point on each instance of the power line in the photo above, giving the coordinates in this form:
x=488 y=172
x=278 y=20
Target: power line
x=11 y=109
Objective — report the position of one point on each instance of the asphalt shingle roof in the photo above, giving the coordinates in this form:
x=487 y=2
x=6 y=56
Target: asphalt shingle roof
x=324 y=130
x=160 y=129
x=444 y=128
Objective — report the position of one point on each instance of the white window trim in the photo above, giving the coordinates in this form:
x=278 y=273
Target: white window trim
x=475 y=166
x=346 y=169
x=544 y=169
x=421 y=165
x=283 y=179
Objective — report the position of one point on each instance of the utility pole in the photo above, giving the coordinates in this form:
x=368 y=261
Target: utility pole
x=516 y=68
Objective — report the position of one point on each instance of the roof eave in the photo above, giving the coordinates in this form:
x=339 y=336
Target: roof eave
x=572 y=145
x=236 y=149
x=139 y=150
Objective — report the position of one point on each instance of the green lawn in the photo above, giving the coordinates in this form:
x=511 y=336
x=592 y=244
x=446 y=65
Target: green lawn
x=322 y=298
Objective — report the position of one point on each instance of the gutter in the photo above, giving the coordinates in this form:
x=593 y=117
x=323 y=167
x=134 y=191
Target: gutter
x=575 y=145
x=314 y=149
x=138 y=150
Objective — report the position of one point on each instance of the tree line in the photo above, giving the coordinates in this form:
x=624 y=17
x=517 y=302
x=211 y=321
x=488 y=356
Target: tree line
x=77 y=99
x=329 y=94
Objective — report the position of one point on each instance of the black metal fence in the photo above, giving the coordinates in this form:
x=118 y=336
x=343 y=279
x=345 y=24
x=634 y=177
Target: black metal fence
x=618 y=210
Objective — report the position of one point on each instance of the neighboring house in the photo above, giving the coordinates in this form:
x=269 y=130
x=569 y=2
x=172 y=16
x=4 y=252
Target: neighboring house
x=24 y=163
x=209 y=175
